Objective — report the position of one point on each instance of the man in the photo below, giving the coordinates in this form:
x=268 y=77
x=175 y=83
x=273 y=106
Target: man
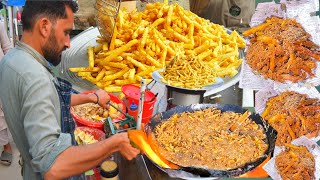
x=229 y=13
x=36 y=105
x=5 y=135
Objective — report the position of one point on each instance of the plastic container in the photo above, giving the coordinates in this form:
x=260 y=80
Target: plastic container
x=98 y=125
x=133 y=110
x=132 y=94
x=109 y=170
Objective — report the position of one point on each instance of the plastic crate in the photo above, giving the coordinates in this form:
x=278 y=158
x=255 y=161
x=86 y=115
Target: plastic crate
x=14 y=2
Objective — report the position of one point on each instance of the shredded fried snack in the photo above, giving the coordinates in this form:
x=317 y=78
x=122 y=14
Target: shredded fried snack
x=202 y=139
x=293 y=115
x=191 y=72
x=94 y=112
x=147 y=41
x=282 y=50
x=296 y=162
x=83 y=137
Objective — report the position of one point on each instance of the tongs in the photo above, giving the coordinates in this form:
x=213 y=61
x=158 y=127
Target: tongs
x=126 y=115
x=108 y=123
x=238 y=123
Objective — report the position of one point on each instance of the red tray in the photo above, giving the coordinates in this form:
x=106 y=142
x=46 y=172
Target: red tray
x=96 y=133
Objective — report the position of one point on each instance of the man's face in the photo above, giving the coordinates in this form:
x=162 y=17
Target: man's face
x=58 y=39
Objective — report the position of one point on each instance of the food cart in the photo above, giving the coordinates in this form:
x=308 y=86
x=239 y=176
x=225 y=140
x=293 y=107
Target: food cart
x=228 y=93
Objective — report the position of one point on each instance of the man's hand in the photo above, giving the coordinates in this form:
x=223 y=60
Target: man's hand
x=124 y=146
x=103 y=98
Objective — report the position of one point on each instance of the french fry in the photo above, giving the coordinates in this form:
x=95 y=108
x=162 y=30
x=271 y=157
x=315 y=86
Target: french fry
x=153 y=61
x=126 y=75
x=108 y=68
x=136 y=63
x=112 y=89
x=190 y=34
x=84 y=69
x=82 y=74
x=101 y=74
x=158 y=22
x=204 y=55
x=122 y=82
x=121 y=19
x=146 y=72
x=116 y=75
x=131 y=75
x=181 y=37
x=163 y=57
x=116 y=52
x=91 y=57
x=98 y=48
x=169 y=16
x=201 y=48
x=144 y=38
x=109 y=73
x=118 y=65
x=105 y=46
x=103 y=84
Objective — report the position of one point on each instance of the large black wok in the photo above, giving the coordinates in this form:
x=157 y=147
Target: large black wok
x=191 y=172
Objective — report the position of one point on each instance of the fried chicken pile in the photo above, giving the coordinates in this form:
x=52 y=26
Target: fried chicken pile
x=293 y=115
x=280 y=49
x=296 y=163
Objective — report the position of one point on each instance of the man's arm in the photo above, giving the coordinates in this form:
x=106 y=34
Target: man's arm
x=78 y=159
x=5 y=41
x=51 y=151
x=101 y=97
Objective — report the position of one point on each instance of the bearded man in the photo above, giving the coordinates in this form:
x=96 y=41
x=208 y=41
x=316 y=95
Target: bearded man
x=37 y=105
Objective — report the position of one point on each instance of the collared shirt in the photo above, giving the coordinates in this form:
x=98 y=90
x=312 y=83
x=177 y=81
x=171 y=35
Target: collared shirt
x=32 y=109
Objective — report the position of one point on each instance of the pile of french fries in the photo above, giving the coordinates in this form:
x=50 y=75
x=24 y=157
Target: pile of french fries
x=147 y=41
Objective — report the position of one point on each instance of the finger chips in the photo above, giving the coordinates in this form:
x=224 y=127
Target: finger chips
x=146 y=41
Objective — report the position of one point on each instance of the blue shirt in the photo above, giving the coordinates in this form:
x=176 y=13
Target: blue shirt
x=32 y=109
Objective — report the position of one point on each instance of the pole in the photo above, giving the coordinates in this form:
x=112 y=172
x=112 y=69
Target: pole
x=141 y=100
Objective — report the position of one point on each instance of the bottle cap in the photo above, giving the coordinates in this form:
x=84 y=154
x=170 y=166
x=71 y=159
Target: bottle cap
x=109 y=169
x=133 y=107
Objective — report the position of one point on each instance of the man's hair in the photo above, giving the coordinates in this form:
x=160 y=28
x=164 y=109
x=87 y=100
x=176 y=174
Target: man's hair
x=52 y=9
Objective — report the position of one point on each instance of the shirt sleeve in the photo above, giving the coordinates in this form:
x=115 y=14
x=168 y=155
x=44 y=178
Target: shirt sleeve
x=41 y=122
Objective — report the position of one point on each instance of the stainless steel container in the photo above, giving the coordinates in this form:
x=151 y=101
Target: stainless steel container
x=177 y=96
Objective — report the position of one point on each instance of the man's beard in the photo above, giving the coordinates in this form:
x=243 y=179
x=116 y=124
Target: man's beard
x=51 y=51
